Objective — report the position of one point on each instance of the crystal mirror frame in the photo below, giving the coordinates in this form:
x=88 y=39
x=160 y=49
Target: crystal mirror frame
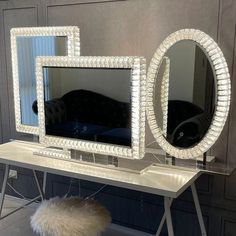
x=223 y=91
x=73 y=47
x=138 y=97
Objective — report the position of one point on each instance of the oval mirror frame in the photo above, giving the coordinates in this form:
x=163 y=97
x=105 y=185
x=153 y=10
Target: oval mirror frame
x=222 y=84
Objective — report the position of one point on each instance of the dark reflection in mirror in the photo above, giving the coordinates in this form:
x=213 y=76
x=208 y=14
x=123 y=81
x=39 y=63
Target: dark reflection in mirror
x=28 y=48
x=191 y=96
x=88 y=104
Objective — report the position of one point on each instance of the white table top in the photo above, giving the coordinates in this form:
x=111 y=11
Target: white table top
x=164 y=181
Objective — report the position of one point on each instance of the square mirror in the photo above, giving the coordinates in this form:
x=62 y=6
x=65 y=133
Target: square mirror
x=92 y=104
x=26 y=45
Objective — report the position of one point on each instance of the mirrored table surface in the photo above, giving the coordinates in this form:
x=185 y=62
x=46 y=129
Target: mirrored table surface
x=160 y=180
x=212 y=166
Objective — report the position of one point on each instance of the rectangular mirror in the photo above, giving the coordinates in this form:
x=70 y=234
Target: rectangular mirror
x=93 y=104
x=88 y=103
x=26 y=45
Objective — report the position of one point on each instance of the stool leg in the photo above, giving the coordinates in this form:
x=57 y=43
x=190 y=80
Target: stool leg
x=4 y=185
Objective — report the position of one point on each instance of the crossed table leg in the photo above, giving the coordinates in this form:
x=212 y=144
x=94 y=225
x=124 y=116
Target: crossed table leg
x=41 y=190
x=167 y=214
x=167 y=203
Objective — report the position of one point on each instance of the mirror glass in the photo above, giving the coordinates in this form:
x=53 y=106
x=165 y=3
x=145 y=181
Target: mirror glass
x=28 y=48
x=190 y=94
x=88 y=104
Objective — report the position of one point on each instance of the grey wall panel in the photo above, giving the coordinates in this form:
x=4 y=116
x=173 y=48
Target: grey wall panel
x=106 y=33
x=21 y=16
x=228 y=228
x=227 y=41
x=140 y=207
x=230 y=190
x=132 y=27
x=204 y=184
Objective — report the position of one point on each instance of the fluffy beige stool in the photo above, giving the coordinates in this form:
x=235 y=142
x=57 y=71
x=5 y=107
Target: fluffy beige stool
x=70 y=217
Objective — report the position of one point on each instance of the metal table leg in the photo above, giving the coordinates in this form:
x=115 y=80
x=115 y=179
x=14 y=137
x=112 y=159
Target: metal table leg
x=167 y=205
x=198 y=209
x=3 y=190
x=44 y=182
x=166 y=216
x=161 y=224
x=162 y=221
x=40 y=189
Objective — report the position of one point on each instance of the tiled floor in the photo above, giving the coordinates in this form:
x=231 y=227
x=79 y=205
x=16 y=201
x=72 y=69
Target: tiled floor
x=18 y=224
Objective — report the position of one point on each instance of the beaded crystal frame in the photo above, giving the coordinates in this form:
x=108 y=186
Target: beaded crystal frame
x=223 y=91
x=164 y=93
x=73 y=47
x=138 y=95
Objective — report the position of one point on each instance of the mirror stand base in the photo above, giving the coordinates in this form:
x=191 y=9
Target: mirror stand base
x=204 y=158
x=169 y=160
x=91 y=159
x=35 y=138
x=53 y=152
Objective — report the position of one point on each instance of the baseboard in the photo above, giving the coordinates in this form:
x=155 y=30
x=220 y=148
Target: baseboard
x=125 y=231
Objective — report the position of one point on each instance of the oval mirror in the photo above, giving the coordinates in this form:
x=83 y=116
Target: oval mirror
x=188 y=80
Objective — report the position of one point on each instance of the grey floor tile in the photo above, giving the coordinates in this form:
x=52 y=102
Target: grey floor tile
x=18 y=224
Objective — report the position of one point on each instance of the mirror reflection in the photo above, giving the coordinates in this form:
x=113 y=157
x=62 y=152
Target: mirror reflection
x=28 y=48
x=88 y=104
x=191 y=94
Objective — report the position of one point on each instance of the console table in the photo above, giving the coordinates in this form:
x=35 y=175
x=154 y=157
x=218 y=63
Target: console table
x=159 y=180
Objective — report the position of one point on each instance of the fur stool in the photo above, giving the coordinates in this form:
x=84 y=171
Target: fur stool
x=70 y=217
